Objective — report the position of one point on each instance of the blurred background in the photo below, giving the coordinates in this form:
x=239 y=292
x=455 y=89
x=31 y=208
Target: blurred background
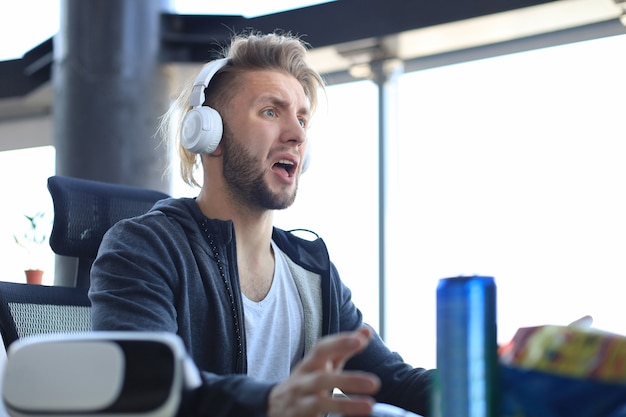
x=497 y=161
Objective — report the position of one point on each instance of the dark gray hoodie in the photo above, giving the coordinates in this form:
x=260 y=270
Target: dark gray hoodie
x=174 y=270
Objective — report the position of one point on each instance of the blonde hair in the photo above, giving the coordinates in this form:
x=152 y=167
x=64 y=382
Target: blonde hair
x=253 y=51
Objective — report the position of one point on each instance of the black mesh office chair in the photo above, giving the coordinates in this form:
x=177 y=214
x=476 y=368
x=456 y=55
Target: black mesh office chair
x=85 y=209
x=27 y=309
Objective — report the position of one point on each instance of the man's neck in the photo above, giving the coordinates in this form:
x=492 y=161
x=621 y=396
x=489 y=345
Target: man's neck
x=253 y=234
x=255 y=258
x=253 y=226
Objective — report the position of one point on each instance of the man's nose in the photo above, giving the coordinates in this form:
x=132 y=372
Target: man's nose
x=294 y=131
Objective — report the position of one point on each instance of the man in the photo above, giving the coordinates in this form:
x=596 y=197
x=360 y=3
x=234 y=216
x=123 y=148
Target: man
x=263 y=313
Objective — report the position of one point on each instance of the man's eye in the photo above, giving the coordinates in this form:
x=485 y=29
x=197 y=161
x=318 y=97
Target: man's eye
x=302 y=122
x=270 y=112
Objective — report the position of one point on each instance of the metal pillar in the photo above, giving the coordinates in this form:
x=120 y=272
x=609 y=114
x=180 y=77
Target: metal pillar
x=109 y=92
x=385 y=74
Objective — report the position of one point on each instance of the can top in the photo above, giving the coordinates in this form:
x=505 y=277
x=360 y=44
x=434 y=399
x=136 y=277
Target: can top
x=463 y=279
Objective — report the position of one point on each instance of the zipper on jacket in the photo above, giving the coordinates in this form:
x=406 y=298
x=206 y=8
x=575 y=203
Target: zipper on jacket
x=237 y=330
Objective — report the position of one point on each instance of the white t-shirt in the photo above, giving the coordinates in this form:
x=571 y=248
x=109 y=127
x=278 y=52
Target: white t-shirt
x=274 y=326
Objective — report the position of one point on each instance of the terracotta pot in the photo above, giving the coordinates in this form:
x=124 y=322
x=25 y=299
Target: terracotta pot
x=33 y=276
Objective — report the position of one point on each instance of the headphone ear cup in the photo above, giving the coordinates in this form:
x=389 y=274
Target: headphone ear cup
x=306 y=161
x=202 y=130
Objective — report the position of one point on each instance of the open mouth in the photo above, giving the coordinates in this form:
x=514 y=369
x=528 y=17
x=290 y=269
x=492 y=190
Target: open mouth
x=286 y=165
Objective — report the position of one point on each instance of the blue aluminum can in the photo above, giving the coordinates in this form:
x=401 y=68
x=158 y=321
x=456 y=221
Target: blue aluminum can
x=467 y=348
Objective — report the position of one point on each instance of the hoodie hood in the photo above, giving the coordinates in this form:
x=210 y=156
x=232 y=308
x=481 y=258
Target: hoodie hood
x=310 y=254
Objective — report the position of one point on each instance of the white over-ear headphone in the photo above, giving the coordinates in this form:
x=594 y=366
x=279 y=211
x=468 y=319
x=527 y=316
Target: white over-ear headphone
x=202 y=126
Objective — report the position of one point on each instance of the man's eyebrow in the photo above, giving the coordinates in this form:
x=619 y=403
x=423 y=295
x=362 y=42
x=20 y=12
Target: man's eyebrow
x=280 y=103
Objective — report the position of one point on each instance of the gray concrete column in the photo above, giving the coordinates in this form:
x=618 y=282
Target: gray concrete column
x=109 y=92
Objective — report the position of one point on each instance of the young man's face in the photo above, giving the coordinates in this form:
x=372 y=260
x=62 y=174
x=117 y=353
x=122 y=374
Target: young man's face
x=265 y=139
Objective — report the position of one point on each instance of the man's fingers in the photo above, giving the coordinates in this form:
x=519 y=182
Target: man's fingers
x=353 y=382
x=312 y=394
x=307 y=391
x=344 y=406
x=335 y=350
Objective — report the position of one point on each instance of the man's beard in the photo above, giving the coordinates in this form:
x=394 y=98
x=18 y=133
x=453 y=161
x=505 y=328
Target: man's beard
x=246 y=181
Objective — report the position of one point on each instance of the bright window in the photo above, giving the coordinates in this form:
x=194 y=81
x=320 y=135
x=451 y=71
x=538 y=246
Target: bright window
x=25 y=192
x=512 y=167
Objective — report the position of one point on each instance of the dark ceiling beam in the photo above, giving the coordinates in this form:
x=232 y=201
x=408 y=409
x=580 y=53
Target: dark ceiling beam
x=19 y=77
x=197 y=38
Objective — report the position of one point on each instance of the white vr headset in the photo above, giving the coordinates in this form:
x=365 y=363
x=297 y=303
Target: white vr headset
x=112 y=374
x=119 y=374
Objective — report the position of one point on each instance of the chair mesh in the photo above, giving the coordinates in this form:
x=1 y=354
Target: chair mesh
x=84 y=210
x=33 y=319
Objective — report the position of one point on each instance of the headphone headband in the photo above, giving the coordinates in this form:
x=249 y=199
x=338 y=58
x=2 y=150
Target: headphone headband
x=203 y=79
x=202 y=126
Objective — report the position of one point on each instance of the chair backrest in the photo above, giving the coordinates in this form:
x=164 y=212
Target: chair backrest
x=85 y=209
x=27 y=309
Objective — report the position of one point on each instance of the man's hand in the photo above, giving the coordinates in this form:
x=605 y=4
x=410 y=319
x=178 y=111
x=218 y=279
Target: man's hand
x=308 y=391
